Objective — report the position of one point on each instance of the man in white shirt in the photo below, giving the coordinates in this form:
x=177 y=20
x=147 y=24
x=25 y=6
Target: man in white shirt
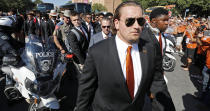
x=119 y=71
x=88 y=25
x=104 y=34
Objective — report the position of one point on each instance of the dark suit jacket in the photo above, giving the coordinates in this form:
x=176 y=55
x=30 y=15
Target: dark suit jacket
x=78 y=47
x=46 y=31
x=96 y=38
x=97 y=27
x=103 y=86
x=31 y=27
x=52 y=25
x=148 y=35
x=89 y=31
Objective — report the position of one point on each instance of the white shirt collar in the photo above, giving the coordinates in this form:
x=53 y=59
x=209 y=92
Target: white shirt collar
x=123 y=46
x=104 y=35
x=87 y=23
x=156 y=31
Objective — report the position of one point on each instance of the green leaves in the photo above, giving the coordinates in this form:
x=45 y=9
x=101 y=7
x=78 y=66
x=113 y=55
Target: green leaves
x=38 y=1
x=195 y=6
x=97 y=7
x=20 y=5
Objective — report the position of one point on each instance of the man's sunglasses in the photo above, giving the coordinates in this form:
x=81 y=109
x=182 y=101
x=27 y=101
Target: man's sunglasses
x=106 y=27
x=130 y=21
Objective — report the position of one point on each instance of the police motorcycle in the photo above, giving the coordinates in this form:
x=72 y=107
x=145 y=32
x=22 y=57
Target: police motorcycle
x=169 y=61
x=38 y=76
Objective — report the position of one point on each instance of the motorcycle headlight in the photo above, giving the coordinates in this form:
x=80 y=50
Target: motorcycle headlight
x=31 y=86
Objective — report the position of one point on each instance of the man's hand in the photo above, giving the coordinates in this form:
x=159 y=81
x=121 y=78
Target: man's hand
x=81 y=66
x=63 y=51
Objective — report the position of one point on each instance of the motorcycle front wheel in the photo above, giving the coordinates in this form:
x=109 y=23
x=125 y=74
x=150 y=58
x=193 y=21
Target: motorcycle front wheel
x=34 y=107
x=168 y=64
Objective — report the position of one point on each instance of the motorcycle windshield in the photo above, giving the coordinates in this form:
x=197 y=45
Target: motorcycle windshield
x=40 y=57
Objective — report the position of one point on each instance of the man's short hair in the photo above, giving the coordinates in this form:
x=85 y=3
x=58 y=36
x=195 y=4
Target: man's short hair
x=158 y=12
x=87 y=13
x=117 y=13
x=74 y=13
x=14 y=11
x=100 y=14
x=109 y=14
x=106 y=19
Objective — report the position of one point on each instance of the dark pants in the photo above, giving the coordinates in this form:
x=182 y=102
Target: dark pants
x=68 y=88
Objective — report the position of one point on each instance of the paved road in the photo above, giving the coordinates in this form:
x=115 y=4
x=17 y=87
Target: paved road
x=180 y=86
x=182 y=89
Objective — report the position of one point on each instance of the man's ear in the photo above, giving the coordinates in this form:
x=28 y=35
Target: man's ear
x=153 y=22
x=116 y=24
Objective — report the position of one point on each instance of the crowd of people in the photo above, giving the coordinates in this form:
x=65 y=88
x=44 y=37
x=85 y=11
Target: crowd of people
x=192 y=43
x=118 y=58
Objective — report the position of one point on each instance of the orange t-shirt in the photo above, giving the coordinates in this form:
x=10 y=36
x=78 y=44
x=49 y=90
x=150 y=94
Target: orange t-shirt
x=206 y=48
x=208 y=58
x=181 y=28
x=191 y=45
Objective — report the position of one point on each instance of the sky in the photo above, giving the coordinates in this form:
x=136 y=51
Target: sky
x=56 y=2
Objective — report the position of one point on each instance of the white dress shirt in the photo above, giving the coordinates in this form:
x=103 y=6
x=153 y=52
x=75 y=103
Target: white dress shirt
x=122 y=52
x=89 y=25
x=162 y=38
x=86 y=35
x=156 y=33
x=104 y=35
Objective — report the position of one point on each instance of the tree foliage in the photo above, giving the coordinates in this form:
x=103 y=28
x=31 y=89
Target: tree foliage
x=70 y=1
x=199 y=7
x=20 y=5
x=38 y=1
x=97 y=7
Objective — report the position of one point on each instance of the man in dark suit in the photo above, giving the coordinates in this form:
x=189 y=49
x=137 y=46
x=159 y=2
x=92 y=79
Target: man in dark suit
x=88 y=25
x=104 y=34
x=78 y=39
x=153 y=32
x=119 y=71
x=46 y=31
x=30 y=26
x=53 y=20
x=98 y=23
x=156 y=28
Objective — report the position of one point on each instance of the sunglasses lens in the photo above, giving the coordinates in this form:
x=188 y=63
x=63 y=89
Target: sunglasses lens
x=129 y=22
x=105 y=26
x=141 y=21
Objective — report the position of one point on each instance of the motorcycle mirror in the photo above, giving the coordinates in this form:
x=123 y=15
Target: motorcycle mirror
x=10 y=60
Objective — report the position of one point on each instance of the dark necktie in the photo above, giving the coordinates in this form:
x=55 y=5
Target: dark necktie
x=129 y=72
x=160 y=42
x=83 y=33
x=106 y=37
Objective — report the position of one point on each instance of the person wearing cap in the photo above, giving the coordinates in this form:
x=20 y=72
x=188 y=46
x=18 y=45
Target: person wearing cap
x=61 y=31
x=61 y=19
x=30 y=26
x=53 y=19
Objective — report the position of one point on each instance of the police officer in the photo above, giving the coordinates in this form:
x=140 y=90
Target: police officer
x=60 y=35
x=60 y=32
x=6 y=41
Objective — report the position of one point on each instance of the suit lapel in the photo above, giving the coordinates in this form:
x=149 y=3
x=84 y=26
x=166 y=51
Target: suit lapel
x=117 y=66
x=144 y=65
x=101 y=37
